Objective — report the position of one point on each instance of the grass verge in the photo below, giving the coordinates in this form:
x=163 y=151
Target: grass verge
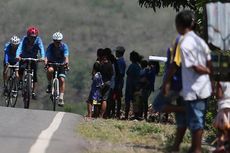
x=130 y=136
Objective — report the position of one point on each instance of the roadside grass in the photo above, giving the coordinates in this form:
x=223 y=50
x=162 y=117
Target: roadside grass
x=130 y=136
x=77 y=108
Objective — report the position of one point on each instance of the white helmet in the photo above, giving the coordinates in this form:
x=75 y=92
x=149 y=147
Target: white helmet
x=57 y=36
x=15 y=40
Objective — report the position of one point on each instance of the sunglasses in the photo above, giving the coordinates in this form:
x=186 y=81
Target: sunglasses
x=57 y=41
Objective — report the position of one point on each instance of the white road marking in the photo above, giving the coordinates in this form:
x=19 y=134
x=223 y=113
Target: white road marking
x=44 y=138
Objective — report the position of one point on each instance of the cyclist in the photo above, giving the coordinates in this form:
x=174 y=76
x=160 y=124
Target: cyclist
x=29 y=47
x=10 y=57
x=57 y=52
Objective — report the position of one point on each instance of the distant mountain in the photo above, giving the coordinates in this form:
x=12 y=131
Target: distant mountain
x=88 y=25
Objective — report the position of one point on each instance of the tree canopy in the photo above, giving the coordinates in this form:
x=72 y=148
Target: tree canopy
x=195 y=5
x=176 y=4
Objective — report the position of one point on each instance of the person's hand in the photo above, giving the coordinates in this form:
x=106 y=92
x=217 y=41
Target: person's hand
x=6 y=65
x=165 y=88
x=42 y=60
x=18 y=58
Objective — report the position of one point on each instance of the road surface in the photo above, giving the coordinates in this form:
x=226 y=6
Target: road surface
x=38 y=131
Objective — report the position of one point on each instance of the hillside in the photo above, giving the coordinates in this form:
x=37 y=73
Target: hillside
x=88 y=25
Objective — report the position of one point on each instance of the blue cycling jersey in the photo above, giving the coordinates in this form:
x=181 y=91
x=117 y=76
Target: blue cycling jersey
x=9 y=54
x=57 y=54
x=30 y=51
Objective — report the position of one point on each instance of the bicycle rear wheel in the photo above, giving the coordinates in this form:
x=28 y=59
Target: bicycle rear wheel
x=27 y=91
x=13 y=92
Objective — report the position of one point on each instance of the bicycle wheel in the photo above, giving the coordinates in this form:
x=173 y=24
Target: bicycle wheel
x=27 y=91
x=55 y=93
x=7 y=95
x=13 y=92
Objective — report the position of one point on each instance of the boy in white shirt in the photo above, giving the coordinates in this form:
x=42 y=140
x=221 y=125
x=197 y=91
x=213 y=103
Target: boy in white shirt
x=196 y=84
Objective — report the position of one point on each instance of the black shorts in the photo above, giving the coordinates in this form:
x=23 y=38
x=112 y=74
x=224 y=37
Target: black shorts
x=61 y=71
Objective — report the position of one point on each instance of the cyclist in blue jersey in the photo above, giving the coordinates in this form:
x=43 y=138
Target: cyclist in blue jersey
x=29 y=47
x=10 y=57
x=57 y=52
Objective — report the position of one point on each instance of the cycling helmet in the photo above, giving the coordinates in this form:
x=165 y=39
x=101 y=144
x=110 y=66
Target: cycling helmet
x=15 y=40
x=32 y=31
x=57 y=36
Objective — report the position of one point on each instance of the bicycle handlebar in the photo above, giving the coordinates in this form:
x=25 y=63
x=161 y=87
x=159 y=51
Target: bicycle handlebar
x=57 y=64
x=12 y=66
x=31 y=59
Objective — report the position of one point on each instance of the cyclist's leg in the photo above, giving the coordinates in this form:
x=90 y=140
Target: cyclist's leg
x=61 y=75
x=49 y=75
x=34 y=68
x=5 y=74
x=22 y=66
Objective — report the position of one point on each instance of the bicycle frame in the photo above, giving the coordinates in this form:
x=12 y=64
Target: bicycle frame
x=55 y=92
x=28 y=81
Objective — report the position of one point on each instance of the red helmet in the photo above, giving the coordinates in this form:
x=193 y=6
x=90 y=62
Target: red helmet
x=32 y=31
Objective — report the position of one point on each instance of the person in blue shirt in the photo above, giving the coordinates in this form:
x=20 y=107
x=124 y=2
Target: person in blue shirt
x=119 y=78
x=29 y=47
x=57 y=52
x=10 y=56
x=132 y=80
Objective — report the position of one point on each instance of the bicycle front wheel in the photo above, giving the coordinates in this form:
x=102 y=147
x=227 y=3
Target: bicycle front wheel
x=55 y=93
x=27 y=91
x=7 y=93
x=13 y=92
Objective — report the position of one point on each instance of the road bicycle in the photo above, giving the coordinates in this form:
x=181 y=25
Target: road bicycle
x=27 y=84
x=11 y=94
x=55 y=88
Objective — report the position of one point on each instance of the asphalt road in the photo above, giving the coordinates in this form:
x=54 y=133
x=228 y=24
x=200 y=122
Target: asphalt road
x=38 y=131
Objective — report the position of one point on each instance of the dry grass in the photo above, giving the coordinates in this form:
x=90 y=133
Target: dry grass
x=113 y=136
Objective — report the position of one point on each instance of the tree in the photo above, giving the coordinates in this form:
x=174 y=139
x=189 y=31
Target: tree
x=168 y=3
x=195 y=5
x=177 y=4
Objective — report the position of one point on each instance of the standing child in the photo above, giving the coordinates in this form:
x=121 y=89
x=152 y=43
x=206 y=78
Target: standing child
x=222 y=120
x=196 y=68
x=94 y=94
x=119 y=79
x=133 y=76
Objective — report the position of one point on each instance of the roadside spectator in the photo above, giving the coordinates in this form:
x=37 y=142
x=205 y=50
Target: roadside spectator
x=93 y=95
x=106 y=70
x=150 y=74
x=222 y=120
x=138 y=100
x=110 y=110
x=119 y=80
x=133 y=76
x=170 y=92
x=196 y=68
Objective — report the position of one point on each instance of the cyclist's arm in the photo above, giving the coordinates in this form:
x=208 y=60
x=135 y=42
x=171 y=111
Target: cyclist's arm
x=6 y=57
x=66 y=53
x=47 y=55
x=19 y=49
x=41 y=46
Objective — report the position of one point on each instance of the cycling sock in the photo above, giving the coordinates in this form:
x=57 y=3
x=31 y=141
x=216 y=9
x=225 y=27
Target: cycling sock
x=61 y=95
